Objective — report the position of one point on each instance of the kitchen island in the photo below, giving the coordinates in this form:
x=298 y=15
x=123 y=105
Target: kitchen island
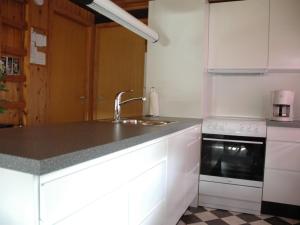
x=83 y=173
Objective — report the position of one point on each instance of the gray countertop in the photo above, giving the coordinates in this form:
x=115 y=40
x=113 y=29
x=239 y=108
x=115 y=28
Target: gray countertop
x=44 y=149
x=292 y=124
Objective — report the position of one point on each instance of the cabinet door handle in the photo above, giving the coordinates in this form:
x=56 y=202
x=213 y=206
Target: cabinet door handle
x=82 y=98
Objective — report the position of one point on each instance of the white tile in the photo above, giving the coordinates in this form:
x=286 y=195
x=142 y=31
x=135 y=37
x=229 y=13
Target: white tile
x=235 y=213
x=260 y=222
x=265 y=216
x=206 y=216
x=233 y=220
x=187 y=212
x=209 y=209
x=199 y=223
x=180 y=222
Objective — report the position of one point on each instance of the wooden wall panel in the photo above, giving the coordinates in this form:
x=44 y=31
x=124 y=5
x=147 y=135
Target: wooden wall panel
x=37 y=76
x=37 y=16
x=13 y=10
x=12 y=27
x=40 y=88
x=74 y=12
x=12 y=38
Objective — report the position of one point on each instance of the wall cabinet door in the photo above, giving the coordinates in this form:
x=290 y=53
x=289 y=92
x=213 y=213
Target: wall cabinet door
x=238 y=35
x=284 y=34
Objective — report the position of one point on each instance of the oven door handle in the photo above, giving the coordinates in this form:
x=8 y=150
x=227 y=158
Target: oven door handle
x=234 y=141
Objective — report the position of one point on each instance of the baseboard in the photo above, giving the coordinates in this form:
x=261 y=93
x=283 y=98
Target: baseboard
x=279 y=209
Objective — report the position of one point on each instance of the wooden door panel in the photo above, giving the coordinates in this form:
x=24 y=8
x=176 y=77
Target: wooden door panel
x=68 y=73
x=120 y=56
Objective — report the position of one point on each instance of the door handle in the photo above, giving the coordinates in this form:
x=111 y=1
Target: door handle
x=82 y=97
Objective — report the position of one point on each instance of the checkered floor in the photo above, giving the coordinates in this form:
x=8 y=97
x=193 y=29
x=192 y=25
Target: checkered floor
x=208 y=216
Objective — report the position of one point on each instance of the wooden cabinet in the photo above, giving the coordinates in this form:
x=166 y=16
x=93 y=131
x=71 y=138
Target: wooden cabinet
x=238 y=36
x=282 y=168
x=284 y=35
x=183 y=172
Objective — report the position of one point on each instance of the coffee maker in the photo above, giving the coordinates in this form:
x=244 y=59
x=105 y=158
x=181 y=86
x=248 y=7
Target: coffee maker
x=283 y=105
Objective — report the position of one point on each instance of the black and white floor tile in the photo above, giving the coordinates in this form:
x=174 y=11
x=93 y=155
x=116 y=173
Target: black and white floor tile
x=208 y=216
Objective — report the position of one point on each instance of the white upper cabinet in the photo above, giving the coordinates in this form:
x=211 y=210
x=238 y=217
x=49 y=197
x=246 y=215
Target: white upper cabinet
x=238 y=36
x=284 y=34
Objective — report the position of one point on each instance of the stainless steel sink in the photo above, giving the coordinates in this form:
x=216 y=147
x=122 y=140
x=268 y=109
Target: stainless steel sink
x=146 y=122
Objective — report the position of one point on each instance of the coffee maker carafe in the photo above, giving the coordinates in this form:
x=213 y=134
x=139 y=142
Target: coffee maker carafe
x=283 y=105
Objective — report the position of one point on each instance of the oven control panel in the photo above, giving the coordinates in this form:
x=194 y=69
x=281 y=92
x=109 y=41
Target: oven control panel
x=235 y=126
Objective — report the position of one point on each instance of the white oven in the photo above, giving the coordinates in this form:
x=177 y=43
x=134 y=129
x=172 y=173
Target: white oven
x=232 y=163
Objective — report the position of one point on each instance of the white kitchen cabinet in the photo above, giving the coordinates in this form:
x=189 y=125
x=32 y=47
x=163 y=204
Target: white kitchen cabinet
x=19 y=202
x=282 y=169
x=282 y=186
x=238 y=36
x=78 y=189
x=183 y=172
x=129 y=187
x=284 y=34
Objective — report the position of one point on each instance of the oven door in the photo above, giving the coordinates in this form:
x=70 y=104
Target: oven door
x=233 y=157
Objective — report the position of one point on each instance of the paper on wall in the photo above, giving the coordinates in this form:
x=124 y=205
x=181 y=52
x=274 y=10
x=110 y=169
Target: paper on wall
x=37 y=40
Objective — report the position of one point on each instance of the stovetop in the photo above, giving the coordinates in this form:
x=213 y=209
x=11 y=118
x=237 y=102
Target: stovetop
x=236 y=126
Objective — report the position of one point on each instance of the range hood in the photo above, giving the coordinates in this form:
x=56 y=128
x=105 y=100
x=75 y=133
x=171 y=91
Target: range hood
x=120 y=16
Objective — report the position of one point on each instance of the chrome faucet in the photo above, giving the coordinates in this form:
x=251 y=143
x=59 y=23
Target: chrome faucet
x=118 y=103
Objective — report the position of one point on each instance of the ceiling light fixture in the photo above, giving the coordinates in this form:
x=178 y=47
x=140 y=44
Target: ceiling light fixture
x=120 y=16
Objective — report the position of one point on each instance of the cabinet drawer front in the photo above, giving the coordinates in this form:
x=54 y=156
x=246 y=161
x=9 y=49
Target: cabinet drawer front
x=65 y=195
x=282 y=187
x=283 y=155
x=283 y=134
x=230 y=191
x=100 y=212
x=147 y=193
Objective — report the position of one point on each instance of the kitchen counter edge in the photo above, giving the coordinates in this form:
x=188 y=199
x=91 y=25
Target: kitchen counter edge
x=42 y=167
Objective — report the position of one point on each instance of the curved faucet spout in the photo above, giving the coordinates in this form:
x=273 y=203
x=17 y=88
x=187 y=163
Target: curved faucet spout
x=118 y=103
x=133 y=99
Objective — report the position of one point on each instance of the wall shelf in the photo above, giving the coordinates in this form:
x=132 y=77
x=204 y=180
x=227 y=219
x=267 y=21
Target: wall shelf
x=13 y=105
x=15 y=78
x=13 y=51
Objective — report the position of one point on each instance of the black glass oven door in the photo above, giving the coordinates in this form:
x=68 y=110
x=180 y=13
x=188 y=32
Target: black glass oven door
x=233 y=157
